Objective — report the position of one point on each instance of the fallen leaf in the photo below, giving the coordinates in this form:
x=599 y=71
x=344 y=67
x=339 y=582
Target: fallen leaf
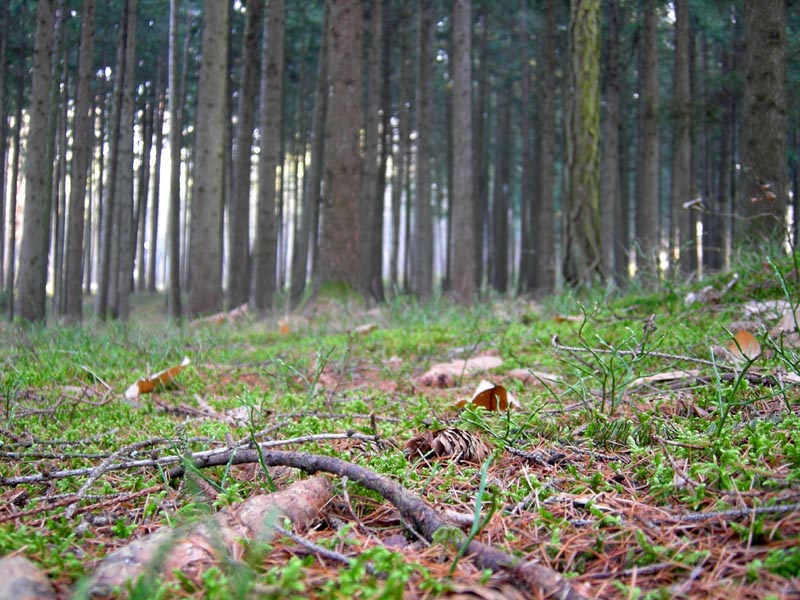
x=666 y=376
x=744 y=347
x=491 y=397
x=365 y=329
x=148 y=384
x=442 y=375
x=223 y=317
x=568 y=318
x=787 y=324
x=528 y=376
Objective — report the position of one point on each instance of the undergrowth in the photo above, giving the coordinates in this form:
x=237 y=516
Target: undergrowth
x=601 y=473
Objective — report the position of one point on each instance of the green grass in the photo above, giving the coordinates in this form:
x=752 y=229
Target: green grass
x=718 y=444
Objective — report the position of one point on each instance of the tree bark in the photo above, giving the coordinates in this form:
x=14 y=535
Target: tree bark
x=527 y=258
x=124 y=179
x=583 y=253
x=205 y=242
x=174 y=308
x=683 y=236
x=81 y=155
x=340 y=248
x=463 y=253
x=501 y=195
x=422 y=237
x=647 y=197
x=764 y=173
x=544 y=224
x=264 y=246
x=239 y=208
x=38 y=172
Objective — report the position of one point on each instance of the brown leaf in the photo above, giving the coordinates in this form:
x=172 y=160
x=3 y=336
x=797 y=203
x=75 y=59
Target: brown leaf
x=456 y=444
x=148 y=384
x=744 y=347
x=491 y=397
x=531 y=377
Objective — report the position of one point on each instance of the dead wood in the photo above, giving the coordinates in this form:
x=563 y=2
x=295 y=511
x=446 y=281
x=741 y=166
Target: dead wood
x=22 y=580
x=193 y=550
x=533 y=578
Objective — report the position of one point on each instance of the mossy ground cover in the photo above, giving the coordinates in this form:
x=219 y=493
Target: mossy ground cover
x=631 y=485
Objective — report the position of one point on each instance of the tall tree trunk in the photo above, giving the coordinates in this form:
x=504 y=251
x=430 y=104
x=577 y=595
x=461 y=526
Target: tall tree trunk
x=683 y=236
x=81 y=154
x=124 y=179
x=610 y=186
x=647 y=196
x=372 y=121
x=502 y=192
x=59 y=198
x=107 y=272
x=239 y=209
x=205 y=242
x=403 y=143
x=480 y=180
x=422 y=240
x=38 y=171
x=156 y=203
x=462 y=244
x=173 y=219
x=527 y=258
x=312 y=179
x=264 y=246
x=4 y=69
x=764 y=174
x=376 y=251
x=582 y=247
x=143 y=191
x=341 y=239
x=545 y=157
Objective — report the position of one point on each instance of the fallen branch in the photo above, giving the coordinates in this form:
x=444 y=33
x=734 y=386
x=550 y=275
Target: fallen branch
x=536 y=578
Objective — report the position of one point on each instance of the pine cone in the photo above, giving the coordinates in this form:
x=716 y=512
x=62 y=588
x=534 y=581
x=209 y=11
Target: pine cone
x=456 y=444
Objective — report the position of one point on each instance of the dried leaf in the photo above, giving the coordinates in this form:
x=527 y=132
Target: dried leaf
x=365 y=329
x=456 y=444
x=744 y=347
x=530 y=377
x=666 y=376
x=491 y=397
x=568 y=318
x=223 y=317
x=787 y=324
x=442 y=375
x=148 y=384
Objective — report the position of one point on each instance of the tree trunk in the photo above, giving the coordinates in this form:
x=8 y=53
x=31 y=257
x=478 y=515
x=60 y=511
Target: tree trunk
x=143 y=191
x=205 y=242
x=464 y=285
x=81 y=155
x=312 y=179
x=422 y=239
x=647 y=197
x=527 y=258
x=764 y=176
x=403 y=143
x=683 y=236
x=544 y=224
x=174 y=210
x=341 y=239
x=502 y=192
x=264 y=246
x=156 y=203
x=38 y=171
x=610 y=186
x=4 y=69
x=124 y=179
x=583 y=256
x=239 y=209
x=480 y=119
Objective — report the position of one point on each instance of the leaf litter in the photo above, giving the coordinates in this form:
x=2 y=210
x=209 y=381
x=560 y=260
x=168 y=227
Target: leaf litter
x=596 y=505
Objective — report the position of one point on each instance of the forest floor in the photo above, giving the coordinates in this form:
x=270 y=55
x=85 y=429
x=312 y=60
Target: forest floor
x=637 y=445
